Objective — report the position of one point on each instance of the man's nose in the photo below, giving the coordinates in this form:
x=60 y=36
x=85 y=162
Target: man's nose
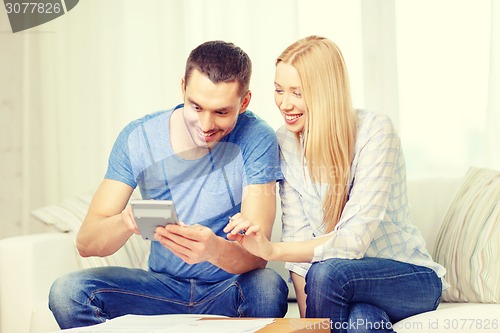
x=206 y=121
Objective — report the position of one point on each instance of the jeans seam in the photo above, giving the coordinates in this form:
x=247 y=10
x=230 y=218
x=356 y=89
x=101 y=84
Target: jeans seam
x=242 y=296
x=385 y=278
x=192 y=287
x=95 y=308
x=194 y=304
x=162 y=299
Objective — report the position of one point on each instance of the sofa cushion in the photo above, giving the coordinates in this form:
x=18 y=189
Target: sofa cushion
x=67 y=216
x=468 y=242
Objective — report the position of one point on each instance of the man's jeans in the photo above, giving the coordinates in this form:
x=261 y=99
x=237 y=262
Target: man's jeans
x=94 y=295
x=369 y=294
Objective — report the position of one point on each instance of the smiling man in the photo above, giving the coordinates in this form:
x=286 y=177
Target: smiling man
x=213 y=158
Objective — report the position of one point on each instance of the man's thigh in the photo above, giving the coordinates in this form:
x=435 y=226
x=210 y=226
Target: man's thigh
x=116 y=291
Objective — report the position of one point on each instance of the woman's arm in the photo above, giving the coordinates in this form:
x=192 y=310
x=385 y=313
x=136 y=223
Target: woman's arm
x=254 y=240
x=378 y=162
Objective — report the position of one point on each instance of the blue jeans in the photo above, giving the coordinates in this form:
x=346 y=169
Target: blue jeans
x=370 y=294
x=94 y=295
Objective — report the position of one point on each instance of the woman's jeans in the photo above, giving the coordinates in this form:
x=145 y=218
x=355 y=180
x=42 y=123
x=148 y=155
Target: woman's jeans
x=94 y=295
x=369 y=294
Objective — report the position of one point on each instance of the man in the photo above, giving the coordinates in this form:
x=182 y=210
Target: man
x=214 y=159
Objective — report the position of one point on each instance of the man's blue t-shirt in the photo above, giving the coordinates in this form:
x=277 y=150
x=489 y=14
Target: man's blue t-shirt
x=205 y=191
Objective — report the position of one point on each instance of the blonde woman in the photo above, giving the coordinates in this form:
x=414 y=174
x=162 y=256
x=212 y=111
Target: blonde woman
x=353 y=255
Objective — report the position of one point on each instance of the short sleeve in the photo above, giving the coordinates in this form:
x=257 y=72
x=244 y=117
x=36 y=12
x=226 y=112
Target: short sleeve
x=119 y=164
x=260 y=154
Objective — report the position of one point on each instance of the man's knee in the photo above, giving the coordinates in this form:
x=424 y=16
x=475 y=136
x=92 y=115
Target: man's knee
x=62 y=291
x=267 y=290
x=266 y=282
x=266 y=275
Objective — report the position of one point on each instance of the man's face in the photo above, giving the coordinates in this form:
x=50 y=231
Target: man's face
x=211 y=110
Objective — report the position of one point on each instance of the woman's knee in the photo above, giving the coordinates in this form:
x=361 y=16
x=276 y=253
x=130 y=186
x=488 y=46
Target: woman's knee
x=325 y=275
x=364 y=317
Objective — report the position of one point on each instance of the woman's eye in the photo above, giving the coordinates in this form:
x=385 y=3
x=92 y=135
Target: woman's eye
x=297 y=94
x=278 y=91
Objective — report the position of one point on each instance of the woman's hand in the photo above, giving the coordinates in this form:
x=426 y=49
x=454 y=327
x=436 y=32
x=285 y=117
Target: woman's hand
x=250 y=236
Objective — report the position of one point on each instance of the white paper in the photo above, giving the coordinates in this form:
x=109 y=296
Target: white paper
x=172 y=324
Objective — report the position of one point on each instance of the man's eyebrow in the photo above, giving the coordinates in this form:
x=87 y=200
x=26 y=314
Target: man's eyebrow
x=192 y=102
x=222 y=109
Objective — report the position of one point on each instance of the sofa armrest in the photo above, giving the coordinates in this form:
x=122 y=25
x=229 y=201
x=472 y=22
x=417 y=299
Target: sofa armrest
x=28 y=267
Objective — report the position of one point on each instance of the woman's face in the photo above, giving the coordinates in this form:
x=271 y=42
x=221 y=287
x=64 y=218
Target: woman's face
x=288 y=97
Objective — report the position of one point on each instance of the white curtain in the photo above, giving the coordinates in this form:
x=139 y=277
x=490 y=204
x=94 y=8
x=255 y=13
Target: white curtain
x=493 y=109
x=433 y=66
x=105 y=63
x=380 y=57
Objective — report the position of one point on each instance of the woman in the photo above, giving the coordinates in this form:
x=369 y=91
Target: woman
x=347 y=239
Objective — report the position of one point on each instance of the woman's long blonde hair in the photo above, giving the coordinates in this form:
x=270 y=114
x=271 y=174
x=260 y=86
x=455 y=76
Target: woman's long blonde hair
x=330 y=131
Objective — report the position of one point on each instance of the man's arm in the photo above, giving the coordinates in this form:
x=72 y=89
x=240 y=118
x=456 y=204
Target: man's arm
x=197 y=243
x=258 y=205
x=108 y=224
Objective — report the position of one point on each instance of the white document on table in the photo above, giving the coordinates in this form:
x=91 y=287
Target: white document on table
x=172 y=324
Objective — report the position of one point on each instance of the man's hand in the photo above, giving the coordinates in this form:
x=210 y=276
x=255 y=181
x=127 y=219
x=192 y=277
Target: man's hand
x=193 y=244
x=129 y=221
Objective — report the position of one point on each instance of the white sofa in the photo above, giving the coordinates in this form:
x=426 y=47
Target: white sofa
x=29 y=264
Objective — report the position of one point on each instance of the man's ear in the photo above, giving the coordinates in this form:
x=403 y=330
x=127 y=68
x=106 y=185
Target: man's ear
x=183 y=88
x=245 y=101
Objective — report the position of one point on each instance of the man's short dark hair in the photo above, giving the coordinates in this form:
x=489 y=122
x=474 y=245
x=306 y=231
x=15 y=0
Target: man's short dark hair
x=221 y=62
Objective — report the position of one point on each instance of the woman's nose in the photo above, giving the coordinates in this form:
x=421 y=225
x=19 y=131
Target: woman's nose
x=286 y=104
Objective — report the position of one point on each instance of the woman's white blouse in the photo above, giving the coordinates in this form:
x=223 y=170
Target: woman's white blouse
x=375 y=221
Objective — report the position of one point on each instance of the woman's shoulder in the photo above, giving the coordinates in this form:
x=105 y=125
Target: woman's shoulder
x=287 y=140
x=282 y=132
x=372 y=123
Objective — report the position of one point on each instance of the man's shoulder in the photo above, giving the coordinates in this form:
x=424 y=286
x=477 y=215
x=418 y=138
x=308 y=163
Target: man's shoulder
x=148 y=122
x=249 y=125
x=150 y=117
